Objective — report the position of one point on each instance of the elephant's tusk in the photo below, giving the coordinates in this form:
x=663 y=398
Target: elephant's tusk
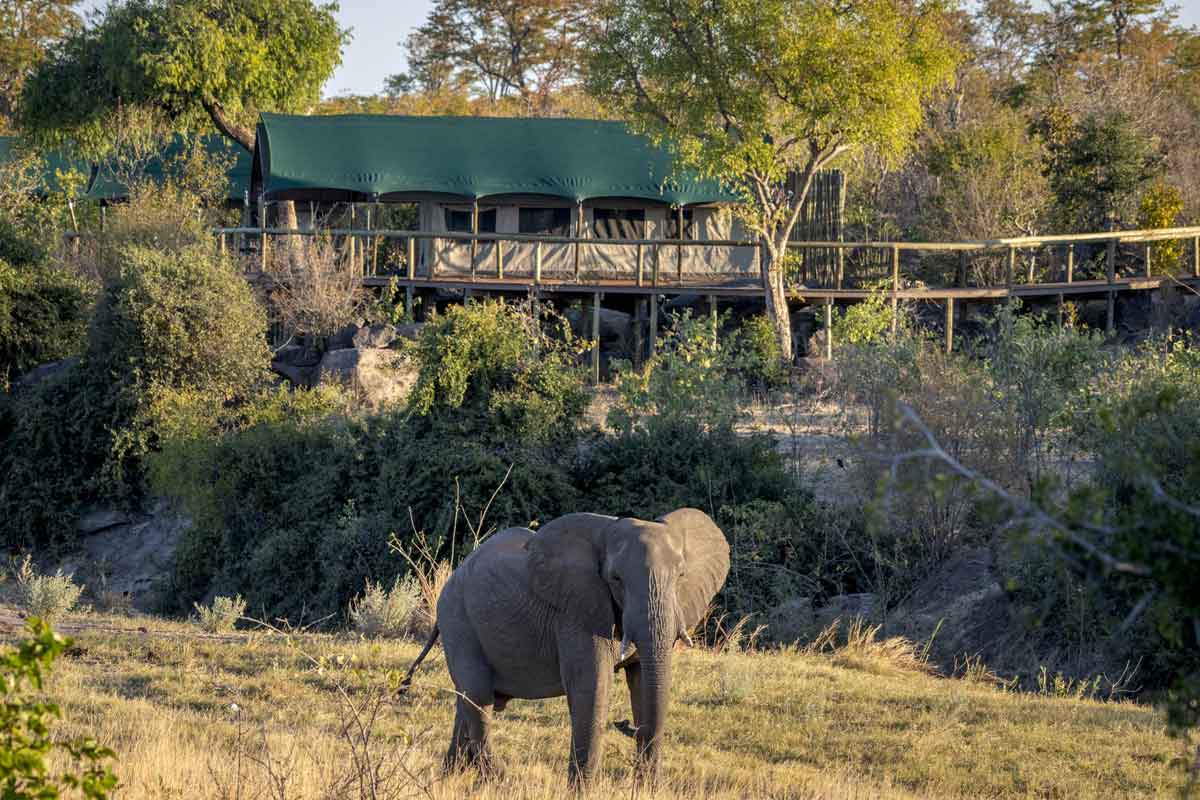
x=624 y=648
x=687 y=638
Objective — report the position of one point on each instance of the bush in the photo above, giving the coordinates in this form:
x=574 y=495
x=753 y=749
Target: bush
x=43 y=317
x=171 y=322
x=25 y=736
x=46 y=597
x=387 y=612
x=759 y=358
x=220 y=616
x=496 y=367
x=690 y=379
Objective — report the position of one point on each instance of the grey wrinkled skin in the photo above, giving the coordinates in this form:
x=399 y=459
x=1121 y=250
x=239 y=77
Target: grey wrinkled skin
x=541 y=615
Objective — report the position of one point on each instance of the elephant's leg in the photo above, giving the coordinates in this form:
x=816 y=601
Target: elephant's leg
x=459 y=754
x=633 y=677
x=586 y=663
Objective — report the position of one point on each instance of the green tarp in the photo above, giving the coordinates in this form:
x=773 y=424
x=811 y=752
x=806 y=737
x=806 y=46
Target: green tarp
x=105 y=185
x=363 y=157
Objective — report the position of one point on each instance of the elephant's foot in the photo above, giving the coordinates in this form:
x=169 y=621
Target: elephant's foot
x=481 y=759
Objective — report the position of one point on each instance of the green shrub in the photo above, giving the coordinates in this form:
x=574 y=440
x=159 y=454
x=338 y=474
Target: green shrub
x=171 y=321
x=690 y=379
x=387 y=612
x=646 y=473
x=495 y=366
x=46 y=597
x=759 y=358
x=221 y=615
x=25 y=735
x=43 y=317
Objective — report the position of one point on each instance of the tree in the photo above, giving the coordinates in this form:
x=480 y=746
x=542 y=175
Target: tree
x=28 y=28
x=749 y=90
x=530 y=48
x=198 y=61
x=1097 y=167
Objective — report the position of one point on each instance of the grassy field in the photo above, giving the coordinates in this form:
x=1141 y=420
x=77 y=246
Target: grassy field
x=263 y=715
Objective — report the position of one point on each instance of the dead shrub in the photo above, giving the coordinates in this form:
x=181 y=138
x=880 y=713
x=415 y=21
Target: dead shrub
x=317 y=288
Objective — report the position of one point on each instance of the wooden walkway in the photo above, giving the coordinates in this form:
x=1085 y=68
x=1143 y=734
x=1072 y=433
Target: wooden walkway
x=657 y=269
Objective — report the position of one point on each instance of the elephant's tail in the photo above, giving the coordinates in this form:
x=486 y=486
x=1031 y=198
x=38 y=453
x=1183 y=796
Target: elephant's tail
x=407 y=682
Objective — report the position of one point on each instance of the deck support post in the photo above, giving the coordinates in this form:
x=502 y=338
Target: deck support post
x=499 y=245
x=222 y=245
x=1111 y=273
x=895 y=289
x=408 y=303
x=578 y=235
x=949 y=325
x=262 y=249
x=1196 y=257
x=596 y=337
x=639 y=337
x=1070 y=263
x=537 y=263
x=1149 y=269
x=653 y=324
x=467 y=295
x=641 y=265
x=679 y=246
x=829 y=329
x=841 y=266
x=474 y=232
x=712 y=317
x=412 y=257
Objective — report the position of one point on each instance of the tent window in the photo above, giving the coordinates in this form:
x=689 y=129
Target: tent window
x=544 y=221
x=460 y=221
x=619 y=223
x=689 y=224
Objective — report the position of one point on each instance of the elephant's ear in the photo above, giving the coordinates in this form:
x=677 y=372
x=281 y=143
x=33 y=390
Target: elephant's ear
x=706 y=561
x=565 y=559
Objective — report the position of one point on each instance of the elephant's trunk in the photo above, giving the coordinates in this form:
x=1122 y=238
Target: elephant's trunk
x=654 y=653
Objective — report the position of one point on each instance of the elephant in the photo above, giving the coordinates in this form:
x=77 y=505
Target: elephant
x=559 y=612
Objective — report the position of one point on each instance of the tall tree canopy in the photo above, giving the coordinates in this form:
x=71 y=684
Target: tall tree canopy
x=28 y=28
x=220 y=60
x=750 y=90
x=526 y=48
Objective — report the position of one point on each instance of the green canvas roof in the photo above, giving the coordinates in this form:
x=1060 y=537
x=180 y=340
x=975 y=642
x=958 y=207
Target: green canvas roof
x=358 y=156
x=105 y=186
x=54 y=161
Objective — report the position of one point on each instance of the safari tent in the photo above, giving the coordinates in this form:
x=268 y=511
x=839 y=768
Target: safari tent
x=533 y=177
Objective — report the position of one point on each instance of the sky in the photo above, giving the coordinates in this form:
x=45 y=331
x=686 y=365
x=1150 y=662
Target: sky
x=378 y=27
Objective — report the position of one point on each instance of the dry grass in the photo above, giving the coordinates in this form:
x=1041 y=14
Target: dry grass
x=862 y=649
x=261 y=715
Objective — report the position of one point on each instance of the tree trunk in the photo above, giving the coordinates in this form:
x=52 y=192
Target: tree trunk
x=776 y=301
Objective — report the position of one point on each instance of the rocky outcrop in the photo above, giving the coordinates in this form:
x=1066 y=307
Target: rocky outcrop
x=127 y=555
x=379 y=377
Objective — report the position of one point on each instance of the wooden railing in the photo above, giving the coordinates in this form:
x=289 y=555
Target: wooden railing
x=647 y=275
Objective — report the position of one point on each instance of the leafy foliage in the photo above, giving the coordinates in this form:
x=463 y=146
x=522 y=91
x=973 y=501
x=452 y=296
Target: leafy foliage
x=46 y=597
x=25 y=722
x=495 y=362
x=43 y=317
x=1160 y=207
x=171 y=321
x=206 y=61
x=221 y=615
x=748 y=90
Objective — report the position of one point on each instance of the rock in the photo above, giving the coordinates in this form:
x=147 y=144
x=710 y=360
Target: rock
x=847 y=607
x=297 y=355
x=411 y=330
x=380 y=335
x=379 y=377
x=131 y=557
x=614 y=325
x=791 y=621
x=343 y=338
x=305 y=376
x=99 y=520
x=43 y=372
x=963 y=602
